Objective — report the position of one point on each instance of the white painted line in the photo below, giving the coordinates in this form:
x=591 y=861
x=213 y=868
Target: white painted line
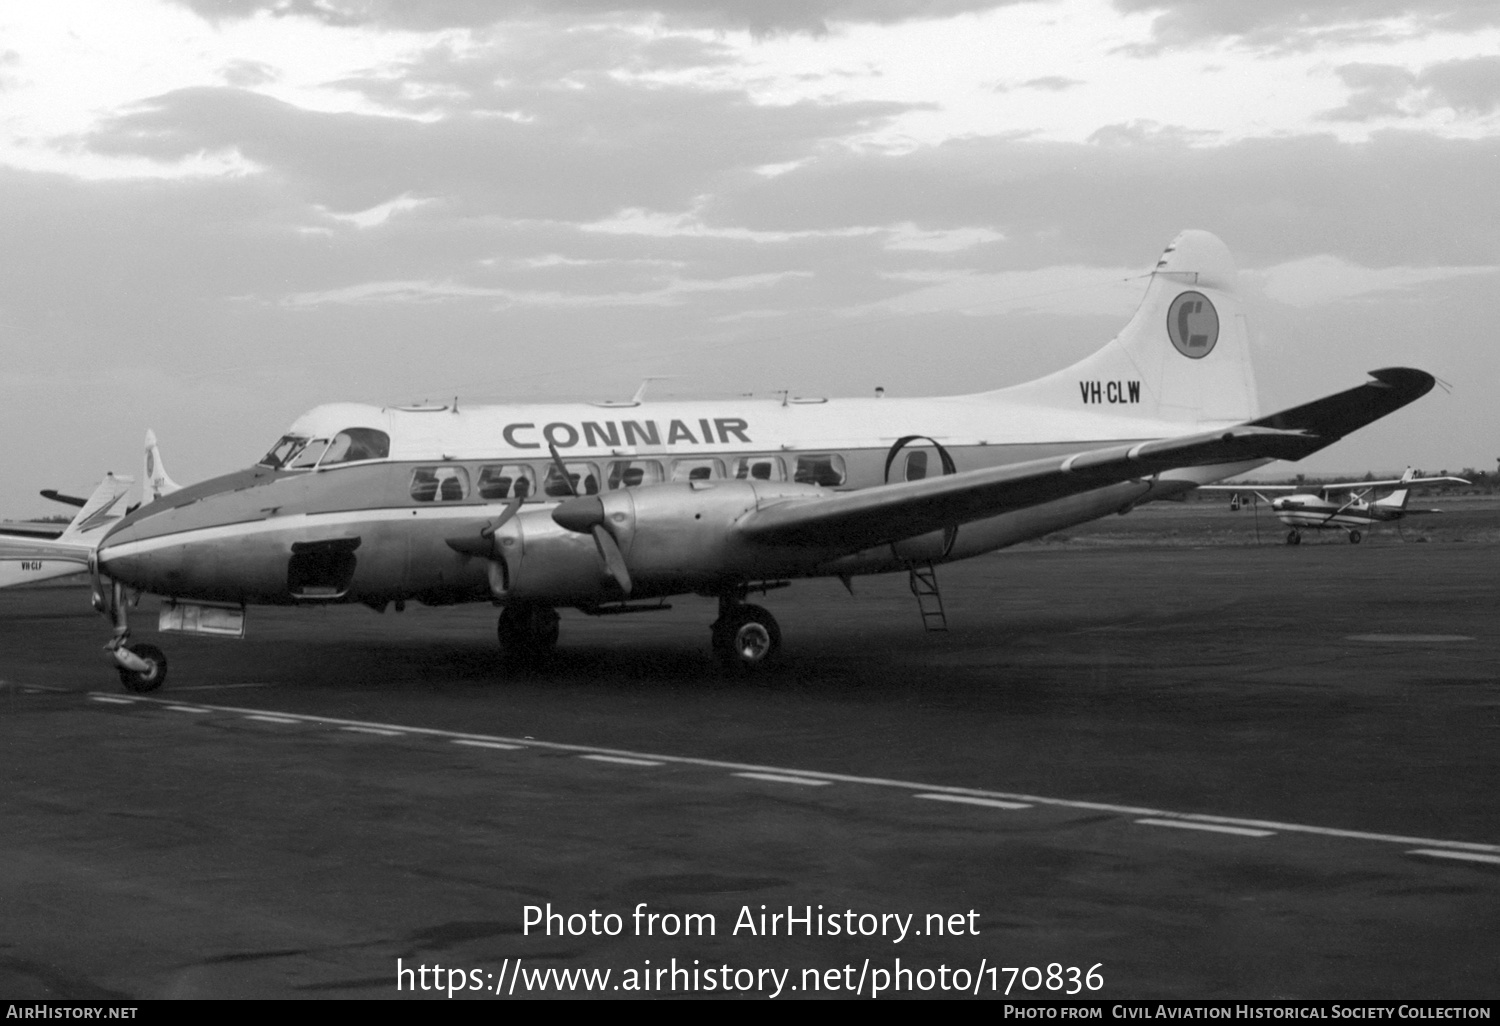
x=820 y=777
x=272 y=719
x=1409 y=637
x=487 y=744
x=219 y=687
x=622 y=760
x=1467 y=856
x=1183 y=825
x=781 y=778
x=379 y=731
x=990 y=803
x=186 y=709
x=112 y=700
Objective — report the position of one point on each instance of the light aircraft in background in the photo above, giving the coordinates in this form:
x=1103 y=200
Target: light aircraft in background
x=31 y=552
x=614 y=507
x=1316 y=511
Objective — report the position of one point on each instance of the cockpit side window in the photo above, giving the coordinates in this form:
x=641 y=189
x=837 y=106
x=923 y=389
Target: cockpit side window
x=284 y=451
x=357 y=443
x=307 y=457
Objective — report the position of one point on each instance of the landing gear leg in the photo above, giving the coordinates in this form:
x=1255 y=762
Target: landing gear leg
x=527 y=632
x=142 y=667
x=1294 y=537
x=745 y=636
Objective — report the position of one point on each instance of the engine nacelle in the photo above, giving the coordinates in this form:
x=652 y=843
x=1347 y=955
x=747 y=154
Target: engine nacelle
x=682 y=536
x=535 y=560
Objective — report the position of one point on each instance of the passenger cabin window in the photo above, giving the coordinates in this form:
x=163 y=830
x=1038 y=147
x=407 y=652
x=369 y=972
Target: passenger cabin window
x=507 y=481
x=700 y=469
x=632 y=474
x=916 y=465
x=440 y=484
x=582 y=479
x=354 y=444
x=759 y=468
x=825 y=470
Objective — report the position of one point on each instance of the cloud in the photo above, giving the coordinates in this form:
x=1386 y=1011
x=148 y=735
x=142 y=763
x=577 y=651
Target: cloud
x=577 y=154
x=760 y=16
x=1323 y=279
x=1303 y=24
x=1470 y=86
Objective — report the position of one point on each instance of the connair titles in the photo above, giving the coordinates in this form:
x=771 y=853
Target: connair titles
x=614 y=507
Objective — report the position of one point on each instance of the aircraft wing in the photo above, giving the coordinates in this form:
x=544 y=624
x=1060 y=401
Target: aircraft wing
x=874 y=516
x=1251 y=486
x=22 y=529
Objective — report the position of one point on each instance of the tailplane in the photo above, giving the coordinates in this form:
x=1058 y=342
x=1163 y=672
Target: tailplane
x=1183 y=357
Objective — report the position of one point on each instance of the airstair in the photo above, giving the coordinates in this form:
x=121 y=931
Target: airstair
x=924 y=585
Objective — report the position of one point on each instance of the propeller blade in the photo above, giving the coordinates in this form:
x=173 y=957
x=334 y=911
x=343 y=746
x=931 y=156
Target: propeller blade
x=614 y=561
x=562 y=469
x=483 y=545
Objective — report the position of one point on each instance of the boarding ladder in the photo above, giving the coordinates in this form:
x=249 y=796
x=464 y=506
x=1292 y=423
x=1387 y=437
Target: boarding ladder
x=924 y=585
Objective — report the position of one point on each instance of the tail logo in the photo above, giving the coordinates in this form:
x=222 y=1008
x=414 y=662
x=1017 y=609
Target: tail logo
x=1193 y=325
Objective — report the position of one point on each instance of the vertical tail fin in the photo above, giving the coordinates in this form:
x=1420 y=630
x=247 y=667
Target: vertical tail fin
x=1398 y=498
x=96 y=511
x=1183 y=357
x=154 y=482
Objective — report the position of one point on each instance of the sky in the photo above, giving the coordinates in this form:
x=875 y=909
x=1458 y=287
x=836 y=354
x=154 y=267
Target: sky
x=216 y=214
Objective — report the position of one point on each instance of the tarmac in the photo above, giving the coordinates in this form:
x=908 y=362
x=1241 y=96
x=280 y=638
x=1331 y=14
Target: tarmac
x=1175 y=765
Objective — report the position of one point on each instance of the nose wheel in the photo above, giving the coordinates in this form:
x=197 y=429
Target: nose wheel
x=151 y=676
x=142 y=667
x=745 y=636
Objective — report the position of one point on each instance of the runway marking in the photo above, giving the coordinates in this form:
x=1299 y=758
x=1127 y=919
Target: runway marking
x=1467 y=856
x=220 y=687
x=186 y=709
x=1180 y=825
x=488 y=744
x=379 y=731
x=622 y=760
x=848 y=778
x=261 y=717
x=1408 y=637
x=992 y=803
x=783 y=778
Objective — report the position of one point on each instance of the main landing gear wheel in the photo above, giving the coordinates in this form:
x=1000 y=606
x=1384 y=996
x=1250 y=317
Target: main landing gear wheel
x=1354 y=537
x=745 y=637
x=528 y=632
x=151 y=678
x=1294 y=537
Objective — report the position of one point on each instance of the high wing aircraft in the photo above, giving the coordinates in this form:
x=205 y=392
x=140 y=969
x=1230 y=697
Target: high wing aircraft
x=30 y=553
x=613 y=507
x=1315 y=511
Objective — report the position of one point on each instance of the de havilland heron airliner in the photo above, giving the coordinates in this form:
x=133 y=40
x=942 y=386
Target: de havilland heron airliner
x=615 y=507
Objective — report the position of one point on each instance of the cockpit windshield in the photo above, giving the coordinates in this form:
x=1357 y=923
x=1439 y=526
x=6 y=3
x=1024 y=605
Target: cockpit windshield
x=298 y=452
